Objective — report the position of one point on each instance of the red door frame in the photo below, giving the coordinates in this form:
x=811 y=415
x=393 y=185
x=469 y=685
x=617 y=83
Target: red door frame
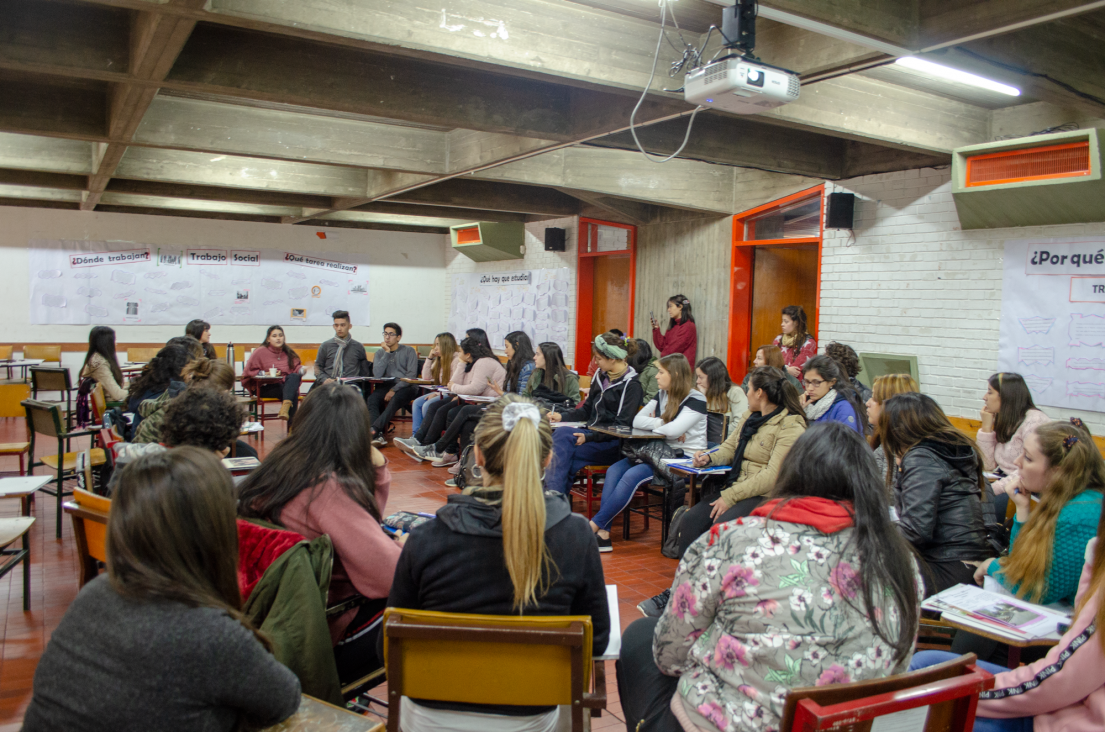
x=585 y=271
x=740 y=281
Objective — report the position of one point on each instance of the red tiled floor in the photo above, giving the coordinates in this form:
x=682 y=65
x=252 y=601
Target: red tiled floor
x=636 y=566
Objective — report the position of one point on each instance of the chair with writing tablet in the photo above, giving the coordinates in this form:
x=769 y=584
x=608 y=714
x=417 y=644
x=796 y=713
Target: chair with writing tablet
x=940 y=698
x=539 y=660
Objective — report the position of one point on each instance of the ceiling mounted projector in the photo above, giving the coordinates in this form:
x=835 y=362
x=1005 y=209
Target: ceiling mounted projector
x=740 y=86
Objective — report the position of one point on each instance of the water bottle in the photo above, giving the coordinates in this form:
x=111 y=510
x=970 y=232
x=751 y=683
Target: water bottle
x=230 y=354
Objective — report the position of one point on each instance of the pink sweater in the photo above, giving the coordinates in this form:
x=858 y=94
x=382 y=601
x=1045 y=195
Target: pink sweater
x=474 y=383
x=264 y=358
x=364 y=554
x=1002 y=454
x=456 y=368
x=1065 y=690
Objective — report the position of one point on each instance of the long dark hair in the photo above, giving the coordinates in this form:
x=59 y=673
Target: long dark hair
x=830 y=370
x=908 y=418
x=1016 y=400
x=556 y=371
x=686 y=316
x=172 y=534
x=476 y=349
x=523 y=352
x=292 y=355
x=328 y=438
x=778 y=389
x=196 y=328
x=101 y=342
x=480 y=335
x=798 y=314
x=832 y=461
x=718 y=383
x=189 y=344
x=162 y=368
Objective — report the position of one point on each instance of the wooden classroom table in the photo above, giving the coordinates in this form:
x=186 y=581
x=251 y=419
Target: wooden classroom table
x=314 y=715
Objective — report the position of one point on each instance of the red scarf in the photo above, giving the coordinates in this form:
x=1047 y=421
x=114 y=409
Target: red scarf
x=826 y=516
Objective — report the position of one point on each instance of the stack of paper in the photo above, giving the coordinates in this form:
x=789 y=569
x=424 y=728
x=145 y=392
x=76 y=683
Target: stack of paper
x=996 y=613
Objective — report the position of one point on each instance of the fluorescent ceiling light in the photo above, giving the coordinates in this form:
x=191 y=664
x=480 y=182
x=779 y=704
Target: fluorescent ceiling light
x=961 y=77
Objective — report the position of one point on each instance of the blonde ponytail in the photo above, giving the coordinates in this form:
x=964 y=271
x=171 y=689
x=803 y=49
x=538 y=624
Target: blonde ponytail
x=516 y=458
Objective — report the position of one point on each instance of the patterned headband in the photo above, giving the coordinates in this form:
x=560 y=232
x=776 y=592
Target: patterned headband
x=609 y=350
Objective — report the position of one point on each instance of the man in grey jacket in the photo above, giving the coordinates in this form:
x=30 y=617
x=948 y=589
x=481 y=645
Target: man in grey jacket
x=393 y=361
x=341 y=355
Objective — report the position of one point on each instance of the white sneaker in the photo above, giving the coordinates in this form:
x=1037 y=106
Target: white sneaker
x=410 y=448
x=428 y=453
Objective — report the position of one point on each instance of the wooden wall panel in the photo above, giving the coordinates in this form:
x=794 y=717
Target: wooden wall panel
x=692 y=258
x=610 y=303
x=781 y=276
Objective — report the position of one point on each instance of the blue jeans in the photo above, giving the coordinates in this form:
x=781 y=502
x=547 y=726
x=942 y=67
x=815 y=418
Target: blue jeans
x=569 y=458
x=622 y=479
x=418 y=410
x=924 y=659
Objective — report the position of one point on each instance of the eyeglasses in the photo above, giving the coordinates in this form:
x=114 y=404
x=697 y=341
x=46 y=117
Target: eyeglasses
x=812 y=383
x=389 y=334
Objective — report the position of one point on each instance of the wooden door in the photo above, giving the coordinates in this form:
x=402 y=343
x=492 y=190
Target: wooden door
x=781 y=276
x=611 y=296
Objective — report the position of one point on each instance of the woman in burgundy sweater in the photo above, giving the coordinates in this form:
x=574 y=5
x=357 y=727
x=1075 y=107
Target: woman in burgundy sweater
x=275 y=353
x=682 y=337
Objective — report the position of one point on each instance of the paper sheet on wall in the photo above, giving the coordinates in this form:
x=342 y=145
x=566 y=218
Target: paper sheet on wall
x=1053 y=320
x=533 y=301
x=117 y=283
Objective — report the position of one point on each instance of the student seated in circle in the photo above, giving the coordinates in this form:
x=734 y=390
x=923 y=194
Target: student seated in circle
x=814 y=588
x=1065 y=690
x=725 y=400
x=159 y=641
x=276 y=360
x=829 y=395
x=678 y=413
x=614 y=400
x=326 y=478
x=1061 y=466
x=507 y=547
x=885 y=387
x=938 y=488
x=101 y=363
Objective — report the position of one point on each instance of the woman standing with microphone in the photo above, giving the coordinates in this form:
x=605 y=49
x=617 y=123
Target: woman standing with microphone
x=682 y=337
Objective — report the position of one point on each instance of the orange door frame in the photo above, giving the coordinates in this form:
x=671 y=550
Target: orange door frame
x=740 y=281
x=585 y=280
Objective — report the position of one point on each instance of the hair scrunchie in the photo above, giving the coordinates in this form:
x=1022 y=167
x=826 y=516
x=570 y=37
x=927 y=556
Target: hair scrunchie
x=520 y=410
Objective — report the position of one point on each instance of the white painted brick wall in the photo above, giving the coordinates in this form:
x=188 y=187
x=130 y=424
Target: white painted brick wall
x=912 y=282
x=535 y=258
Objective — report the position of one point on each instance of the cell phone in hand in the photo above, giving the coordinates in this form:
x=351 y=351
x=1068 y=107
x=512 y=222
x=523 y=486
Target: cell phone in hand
x=652 y=316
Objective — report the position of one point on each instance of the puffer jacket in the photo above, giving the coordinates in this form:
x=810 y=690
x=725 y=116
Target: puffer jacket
x=939 y=502
x=763 y=456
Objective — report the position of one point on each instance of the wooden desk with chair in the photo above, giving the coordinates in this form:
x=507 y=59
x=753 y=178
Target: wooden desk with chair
x=529 y=660
x=12 y=529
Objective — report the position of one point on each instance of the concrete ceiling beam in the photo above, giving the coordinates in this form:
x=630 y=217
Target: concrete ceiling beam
x=495 y=196
x=155 y=42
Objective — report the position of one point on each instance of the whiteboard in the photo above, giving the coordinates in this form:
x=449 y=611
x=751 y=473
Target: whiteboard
x=1053 y=320
x=534 y=301
x=80 y=282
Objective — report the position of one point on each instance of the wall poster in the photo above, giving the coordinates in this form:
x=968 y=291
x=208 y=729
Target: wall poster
x=1053 y=320
x=534 y=301
x=124 y=283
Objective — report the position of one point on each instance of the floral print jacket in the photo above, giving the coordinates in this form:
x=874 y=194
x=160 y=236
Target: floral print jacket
x=762 y=606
